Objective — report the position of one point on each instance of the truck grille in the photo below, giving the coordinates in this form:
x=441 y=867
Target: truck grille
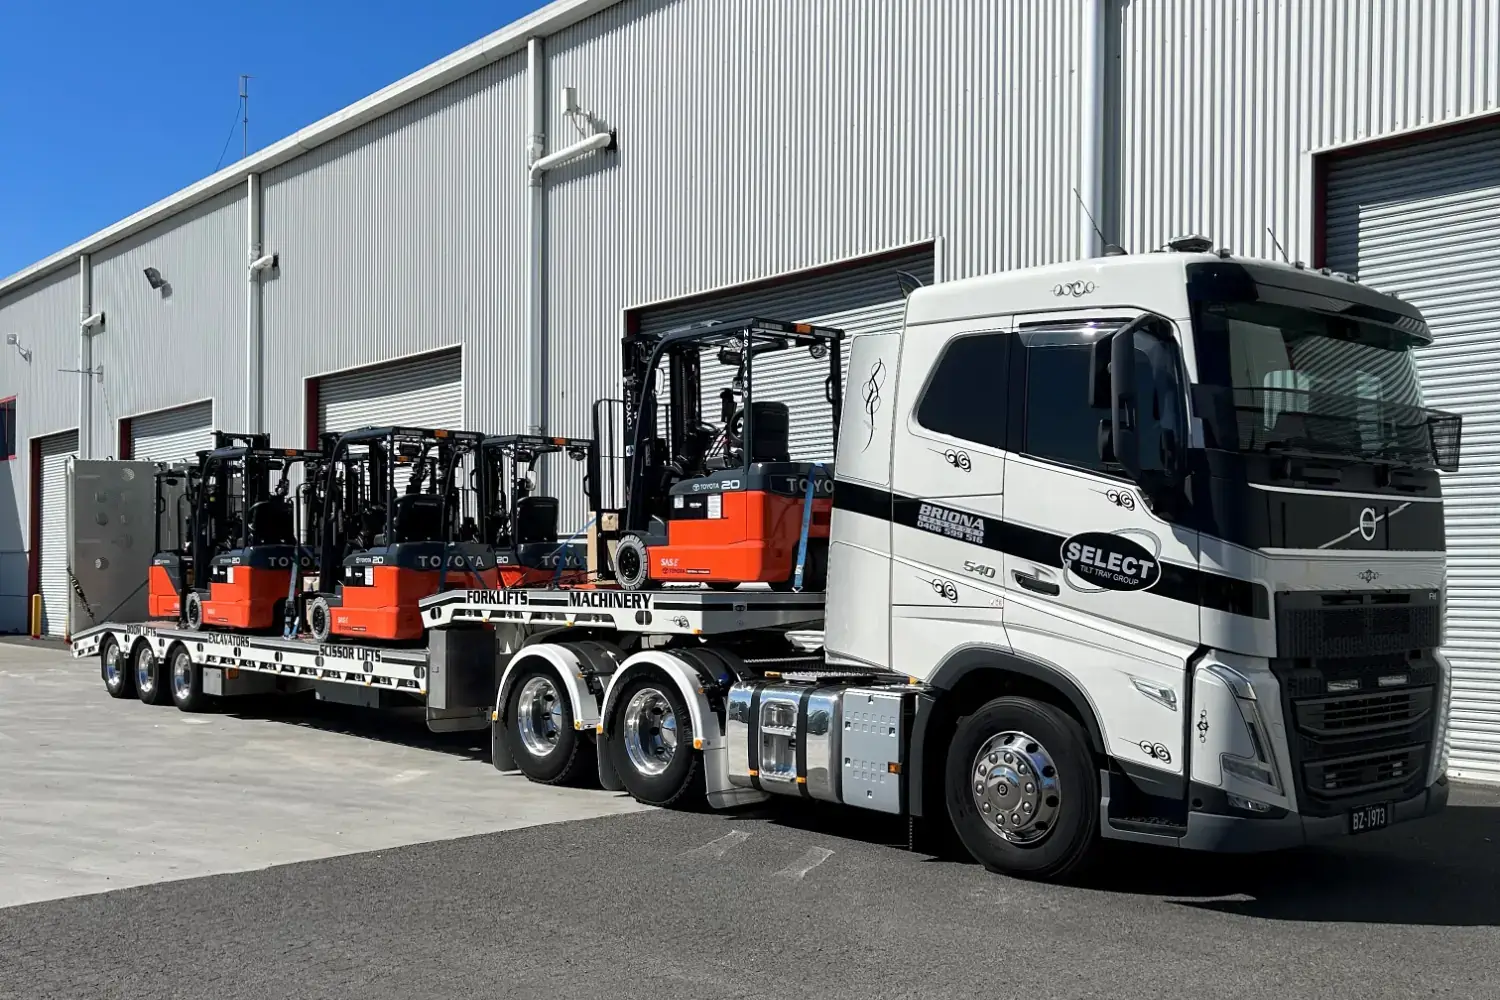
x=1364 y=773
x=1359 y=727
x=1356 y=625
x=1343 y=716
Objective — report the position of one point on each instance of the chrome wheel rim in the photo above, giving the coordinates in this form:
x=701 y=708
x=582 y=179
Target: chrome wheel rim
x=182 y=677
x=145 y=670
x=113 y=675
x=539 y=716
x=650 y=730
x=1015 y=787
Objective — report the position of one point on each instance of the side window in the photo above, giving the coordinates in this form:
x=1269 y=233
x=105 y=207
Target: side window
x=1060 y=423
x=965 y=396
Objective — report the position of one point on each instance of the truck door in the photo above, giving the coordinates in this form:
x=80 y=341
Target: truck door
x=1094 y=580
x=949 y=474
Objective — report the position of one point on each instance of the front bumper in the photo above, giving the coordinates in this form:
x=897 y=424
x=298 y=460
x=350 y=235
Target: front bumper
x=1250 y=834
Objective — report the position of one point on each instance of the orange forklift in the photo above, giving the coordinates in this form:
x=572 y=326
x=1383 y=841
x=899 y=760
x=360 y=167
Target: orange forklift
x=518 y=523
x=721 y=504
x=243 y=557
x=396 y=527
x=172 y=559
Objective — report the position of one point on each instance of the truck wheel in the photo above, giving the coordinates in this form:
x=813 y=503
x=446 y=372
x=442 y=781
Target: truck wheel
x=1022 y=791
x=651 y=743
x=116 y=673
x=632 y=568
x=186 y=679
x=192 y=611
x=539 y=730
x=150 y=685
x=319 y=618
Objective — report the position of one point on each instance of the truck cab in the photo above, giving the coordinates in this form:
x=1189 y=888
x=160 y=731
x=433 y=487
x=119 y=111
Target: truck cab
x=1190 y=500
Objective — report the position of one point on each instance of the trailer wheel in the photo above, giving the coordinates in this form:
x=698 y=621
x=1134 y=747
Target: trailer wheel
x=192 y=610
x=1022 y=790
x=319 y=618
x=186 y=680
x=632 y=566
x=651 y=743
x=150 y=684
x=116 y=673
x=539 y=729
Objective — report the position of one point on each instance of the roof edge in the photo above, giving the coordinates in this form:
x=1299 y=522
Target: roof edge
x=510 y=39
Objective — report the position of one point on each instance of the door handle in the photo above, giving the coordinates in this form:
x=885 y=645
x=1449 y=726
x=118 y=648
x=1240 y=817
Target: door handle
x=1035 y=584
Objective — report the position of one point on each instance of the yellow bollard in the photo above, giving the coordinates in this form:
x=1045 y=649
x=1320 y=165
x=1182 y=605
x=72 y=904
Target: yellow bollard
x=36 y=616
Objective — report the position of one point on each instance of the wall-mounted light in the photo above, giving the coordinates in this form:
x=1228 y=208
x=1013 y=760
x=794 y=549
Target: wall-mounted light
x=14 y=340
x=154 y=276
x=93 y=322
x=269 y=262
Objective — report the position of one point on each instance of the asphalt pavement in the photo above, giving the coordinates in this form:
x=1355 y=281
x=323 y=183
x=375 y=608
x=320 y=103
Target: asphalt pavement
x=778 y=903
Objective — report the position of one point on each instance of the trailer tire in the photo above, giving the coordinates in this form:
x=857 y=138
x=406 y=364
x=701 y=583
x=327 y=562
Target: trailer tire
x=543 y=742
x=1022 y=790
x=185 y=679
x=192 y=611
x=150 y=678
x=319 y=618
x=632 y=563
x=115 y=670
x=656 y=768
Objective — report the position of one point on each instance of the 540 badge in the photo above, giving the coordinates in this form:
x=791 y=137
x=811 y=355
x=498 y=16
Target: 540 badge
x=1104 y=561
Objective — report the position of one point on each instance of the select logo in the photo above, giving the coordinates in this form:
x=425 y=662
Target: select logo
x=1112 y=562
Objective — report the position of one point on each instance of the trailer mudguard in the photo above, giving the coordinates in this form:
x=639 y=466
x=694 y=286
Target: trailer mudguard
x=707 y=734
x=569 y=667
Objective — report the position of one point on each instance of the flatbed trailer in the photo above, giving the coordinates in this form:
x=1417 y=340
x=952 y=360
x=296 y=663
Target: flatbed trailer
x=471 y=638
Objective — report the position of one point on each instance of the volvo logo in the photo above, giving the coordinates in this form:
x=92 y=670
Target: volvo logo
x=1367 y=523
x=1073 y=288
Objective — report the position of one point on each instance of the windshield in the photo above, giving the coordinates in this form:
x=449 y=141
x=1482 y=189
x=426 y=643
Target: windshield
x=1281 y=378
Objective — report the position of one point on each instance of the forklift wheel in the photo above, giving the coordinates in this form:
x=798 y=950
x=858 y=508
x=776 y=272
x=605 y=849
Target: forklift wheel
x=632 y=569
x=192 y=610
x=319 y=618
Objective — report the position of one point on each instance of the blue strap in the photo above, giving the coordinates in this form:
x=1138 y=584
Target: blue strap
x=560 y=557
x=812 y=479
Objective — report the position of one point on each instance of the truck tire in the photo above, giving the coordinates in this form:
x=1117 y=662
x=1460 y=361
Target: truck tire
x=185 y=679
x=632 y=566
x=150 y=681
x=539 y=729
x=115 y=670
x=192 y=611
x=1022 y=789
x=651 y=743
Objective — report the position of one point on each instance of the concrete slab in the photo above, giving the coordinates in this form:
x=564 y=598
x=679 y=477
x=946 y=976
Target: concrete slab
x=99 y=794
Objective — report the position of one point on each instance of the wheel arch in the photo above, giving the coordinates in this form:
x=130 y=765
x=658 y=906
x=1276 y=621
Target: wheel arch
x=973 y=675
x=567 y=665
x=690 y=686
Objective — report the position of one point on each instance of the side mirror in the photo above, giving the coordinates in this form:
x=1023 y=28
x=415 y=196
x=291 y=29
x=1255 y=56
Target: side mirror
x=1146 y=412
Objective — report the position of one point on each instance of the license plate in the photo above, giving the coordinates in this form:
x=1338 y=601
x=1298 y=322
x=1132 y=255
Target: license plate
x=1371 y=817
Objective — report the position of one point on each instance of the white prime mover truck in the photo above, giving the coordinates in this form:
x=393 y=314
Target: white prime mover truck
x=1147 y=548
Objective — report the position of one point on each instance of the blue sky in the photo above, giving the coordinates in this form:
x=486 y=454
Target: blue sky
x=106 y=107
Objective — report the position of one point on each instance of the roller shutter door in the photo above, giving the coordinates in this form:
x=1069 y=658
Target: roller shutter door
x=1423 y=221
x=862 y=298
x=425 y=391
x=175 y=435
x=53 y=545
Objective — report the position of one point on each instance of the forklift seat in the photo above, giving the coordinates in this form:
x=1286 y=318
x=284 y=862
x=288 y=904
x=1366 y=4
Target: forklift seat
x=771 y=426
x=418 y=518
x=270 y=523
x=536 y=520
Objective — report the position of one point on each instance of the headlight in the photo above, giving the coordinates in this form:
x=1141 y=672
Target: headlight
x=1260 y=766
x=1442 y=706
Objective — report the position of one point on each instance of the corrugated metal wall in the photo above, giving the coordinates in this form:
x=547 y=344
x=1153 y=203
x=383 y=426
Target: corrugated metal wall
x=405 y=235
x=1424 y=221
x=1220 y=101
x=45 y=322
x=185 y=341
x=757 y=138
